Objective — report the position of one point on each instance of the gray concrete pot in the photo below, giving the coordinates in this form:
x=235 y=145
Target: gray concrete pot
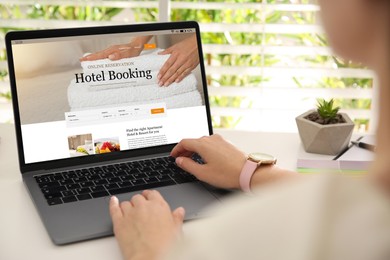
x=324 y=139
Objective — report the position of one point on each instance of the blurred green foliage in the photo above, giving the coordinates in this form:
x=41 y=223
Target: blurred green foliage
x=227 y=16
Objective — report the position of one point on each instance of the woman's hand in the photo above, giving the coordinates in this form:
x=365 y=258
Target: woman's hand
x=117 y=52
x=184 y=58
x=145 y=227
x=223 y=161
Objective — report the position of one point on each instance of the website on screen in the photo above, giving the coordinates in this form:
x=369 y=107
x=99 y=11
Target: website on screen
x=88 y=95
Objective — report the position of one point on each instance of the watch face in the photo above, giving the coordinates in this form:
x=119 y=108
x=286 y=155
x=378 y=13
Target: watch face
x=264 y=158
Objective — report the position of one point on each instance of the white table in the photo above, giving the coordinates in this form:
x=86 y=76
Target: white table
x=23 y=236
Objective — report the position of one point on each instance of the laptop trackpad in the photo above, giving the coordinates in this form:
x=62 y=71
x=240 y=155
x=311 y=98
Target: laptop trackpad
x=193 y=197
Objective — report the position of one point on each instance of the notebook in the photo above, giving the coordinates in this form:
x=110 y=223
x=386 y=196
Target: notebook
x=92 y=121
x=352 y=160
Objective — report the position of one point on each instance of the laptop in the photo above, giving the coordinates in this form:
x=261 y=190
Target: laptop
x=92 y=121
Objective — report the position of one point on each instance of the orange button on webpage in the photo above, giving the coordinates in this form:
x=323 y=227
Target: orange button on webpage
x=157 y=110
x=149 y=46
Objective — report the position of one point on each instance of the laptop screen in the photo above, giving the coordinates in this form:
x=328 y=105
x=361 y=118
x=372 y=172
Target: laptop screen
x=88 y=95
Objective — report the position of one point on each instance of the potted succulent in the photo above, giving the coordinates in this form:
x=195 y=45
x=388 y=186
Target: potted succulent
x=325 y=130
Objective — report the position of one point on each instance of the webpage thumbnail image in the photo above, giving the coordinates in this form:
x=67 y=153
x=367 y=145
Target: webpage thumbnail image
x=82 y=145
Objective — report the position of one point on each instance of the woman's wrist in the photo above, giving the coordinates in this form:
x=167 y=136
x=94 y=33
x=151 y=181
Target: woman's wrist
x=269 y=173
x=261 y=175
x=136 y=45
x=139 y=41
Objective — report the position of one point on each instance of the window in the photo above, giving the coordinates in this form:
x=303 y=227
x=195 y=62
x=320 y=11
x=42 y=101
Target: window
x=266 y=61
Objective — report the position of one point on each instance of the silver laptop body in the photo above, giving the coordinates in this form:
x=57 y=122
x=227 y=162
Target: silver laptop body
x=79 y=123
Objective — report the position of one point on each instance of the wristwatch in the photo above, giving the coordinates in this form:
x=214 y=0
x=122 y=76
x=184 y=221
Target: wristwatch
x=254 y=160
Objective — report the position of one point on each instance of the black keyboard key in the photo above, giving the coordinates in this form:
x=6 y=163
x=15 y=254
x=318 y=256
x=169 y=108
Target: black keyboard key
x=165 y=172
x=124 y=184
x=86 y=184
x=54 y=201
x=97 y=188
x=170 y=159
x=45 y=175
x=66 y=176
x=170 y=165
x=68 y=193
x=106 y=175
x=80 y=179
x=58 y=177
x=139 y=176
x=49 y=184
x=122 y=190
x=99 y=171
x=158 y=167
x=113 y=180
x=66 y=182
x=152 y=174
x=177 y=170
x=133 y=171
x=146 y=169
x=93 y=177
x=69 y=199
x=160 y=160
x=138 y=182
x=181 y=179
x=73 y=186
x=111 y=186
x=53 y=190
x=125 y=166
x=84 y=172
x=121 y=173
x=119 y=167
x=114 y=172
x=84 y=197
x=105 y=170
x=99 y=194
x=43 y=179
x=100 y=182
x=134 y=165
x=72 y=175
x=151 y=180
x=147 y=163
x=53 y=195
x=141 y=187
x=83 y=190
x=127 y=178
x=163 y=177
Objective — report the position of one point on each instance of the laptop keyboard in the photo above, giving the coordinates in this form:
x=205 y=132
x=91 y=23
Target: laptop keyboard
x=101 y=181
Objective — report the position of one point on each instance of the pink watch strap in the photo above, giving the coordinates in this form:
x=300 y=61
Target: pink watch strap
x=246 y=175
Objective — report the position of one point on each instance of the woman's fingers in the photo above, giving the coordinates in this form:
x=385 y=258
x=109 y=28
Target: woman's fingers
x=191 y=166
x=96 y=56
x=166 y=67
x=115 y=210
x=152 y=195
x=115 y=52
x=178 y=217
x=185 y=147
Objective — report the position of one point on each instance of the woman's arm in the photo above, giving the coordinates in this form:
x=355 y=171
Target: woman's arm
x=223 y=163
x=120 y=51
